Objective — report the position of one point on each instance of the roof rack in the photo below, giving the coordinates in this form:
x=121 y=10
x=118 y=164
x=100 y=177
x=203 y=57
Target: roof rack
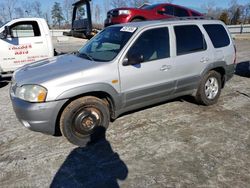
x=190 y=18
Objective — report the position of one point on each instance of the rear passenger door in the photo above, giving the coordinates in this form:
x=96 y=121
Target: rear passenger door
x=192 y=56
x=221 y=41
x=150 y=80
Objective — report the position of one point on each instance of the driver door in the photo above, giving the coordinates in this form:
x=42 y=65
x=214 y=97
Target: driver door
x=150 y=80
x=25 y=45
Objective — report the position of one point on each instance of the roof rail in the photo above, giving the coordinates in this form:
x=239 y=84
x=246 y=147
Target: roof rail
x=190 y=18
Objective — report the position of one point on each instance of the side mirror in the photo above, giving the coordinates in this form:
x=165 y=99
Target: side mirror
x=133 y=59
x=6 y=33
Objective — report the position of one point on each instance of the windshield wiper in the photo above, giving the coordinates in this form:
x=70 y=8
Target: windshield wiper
x=85 y=55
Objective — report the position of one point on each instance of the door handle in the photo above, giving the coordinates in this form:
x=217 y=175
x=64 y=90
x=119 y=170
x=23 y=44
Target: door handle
x=165 y=67
x=40 y=42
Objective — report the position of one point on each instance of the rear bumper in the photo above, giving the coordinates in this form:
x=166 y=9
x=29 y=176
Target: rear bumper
x=39 y=117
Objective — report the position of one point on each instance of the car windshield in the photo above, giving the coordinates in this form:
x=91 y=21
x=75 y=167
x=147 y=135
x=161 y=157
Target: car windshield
x=107 y=44
x=149 y=7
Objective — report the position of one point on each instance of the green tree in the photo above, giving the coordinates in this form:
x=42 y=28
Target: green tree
x=57 y=14
x=224 y=17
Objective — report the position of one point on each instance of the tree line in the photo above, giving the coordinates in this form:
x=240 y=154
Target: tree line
x=235 y=13
x=60 y=14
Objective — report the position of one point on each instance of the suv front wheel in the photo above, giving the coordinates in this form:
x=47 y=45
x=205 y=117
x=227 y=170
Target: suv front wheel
x=84 y=120
x=209 y=89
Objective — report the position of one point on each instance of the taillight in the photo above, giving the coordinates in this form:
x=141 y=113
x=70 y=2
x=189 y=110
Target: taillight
x=235 y=54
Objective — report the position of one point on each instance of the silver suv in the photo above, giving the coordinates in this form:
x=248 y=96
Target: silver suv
x=124 y=67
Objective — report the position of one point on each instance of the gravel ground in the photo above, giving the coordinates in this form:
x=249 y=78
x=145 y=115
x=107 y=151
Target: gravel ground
x=175 y=144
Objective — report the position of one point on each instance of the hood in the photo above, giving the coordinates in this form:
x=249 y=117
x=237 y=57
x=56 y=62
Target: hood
x=54 y=68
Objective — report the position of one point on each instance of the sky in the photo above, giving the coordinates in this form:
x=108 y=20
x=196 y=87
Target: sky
x=194 y=4
x=188 y=3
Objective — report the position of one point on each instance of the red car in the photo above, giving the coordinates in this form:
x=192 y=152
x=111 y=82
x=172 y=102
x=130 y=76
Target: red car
x=148 y=12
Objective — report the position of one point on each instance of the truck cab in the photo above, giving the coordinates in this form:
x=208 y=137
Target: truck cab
x=23 y=41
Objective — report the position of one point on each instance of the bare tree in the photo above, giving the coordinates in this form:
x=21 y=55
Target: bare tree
x=233 y=11
x=37 y=8
x=138 y=3
x=10 y=6
x=3 y=17
x=119 y=3
x=106 y=5
x=246 y=12
x=97 y=13
x=160 y=1
x=27 y=7
x=67 y=10
x=19 y=12
x=209 y=7
x=47 y=17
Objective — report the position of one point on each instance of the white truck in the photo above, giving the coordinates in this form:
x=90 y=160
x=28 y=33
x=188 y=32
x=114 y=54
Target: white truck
x=22 y=41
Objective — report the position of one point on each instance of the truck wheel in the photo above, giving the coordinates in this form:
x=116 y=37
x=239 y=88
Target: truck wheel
x=82 y=118
x=209 y=89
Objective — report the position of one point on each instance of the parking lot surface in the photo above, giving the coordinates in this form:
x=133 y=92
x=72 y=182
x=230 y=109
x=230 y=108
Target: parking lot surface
x=173 y=144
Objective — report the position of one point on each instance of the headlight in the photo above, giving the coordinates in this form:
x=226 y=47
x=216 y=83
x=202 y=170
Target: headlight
x=31 y=93
x=124 y=12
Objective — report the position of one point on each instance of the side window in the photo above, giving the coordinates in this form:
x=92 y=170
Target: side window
x=218 y=35
x=180 y=12
x=189 y=39
x=169 y=10
x=152 y=45
x=25 y=29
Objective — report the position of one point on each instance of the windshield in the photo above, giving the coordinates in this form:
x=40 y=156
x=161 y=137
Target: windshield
x=149 y=7
x=106 y=45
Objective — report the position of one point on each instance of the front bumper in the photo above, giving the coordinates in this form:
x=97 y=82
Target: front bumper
x=116 y=20
x=39 y=117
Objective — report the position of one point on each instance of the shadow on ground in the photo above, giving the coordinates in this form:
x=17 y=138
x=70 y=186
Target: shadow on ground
x=4 y=82
x=243 y=69
x=96 y=165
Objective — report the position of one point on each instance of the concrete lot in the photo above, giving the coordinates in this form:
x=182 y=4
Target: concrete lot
x=175 y=144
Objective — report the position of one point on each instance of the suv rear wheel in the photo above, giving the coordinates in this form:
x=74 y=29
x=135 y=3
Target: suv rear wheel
x=209 y=89
x=82 y=120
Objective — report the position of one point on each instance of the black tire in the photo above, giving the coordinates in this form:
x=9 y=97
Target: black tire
x=205 y=94
x=137 y=20
x=84 y=120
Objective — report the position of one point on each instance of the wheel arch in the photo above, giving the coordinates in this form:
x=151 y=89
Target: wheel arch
x=110 y=97
x=219 y=67
x=222 y=72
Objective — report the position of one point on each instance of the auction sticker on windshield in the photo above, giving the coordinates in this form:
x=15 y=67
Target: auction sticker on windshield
x=128 y=29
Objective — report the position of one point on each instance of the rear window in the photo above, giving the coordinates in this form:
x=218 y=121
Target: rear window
x=180 y=12
x=218 y=35
x=169 y=10
x=189 y=39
